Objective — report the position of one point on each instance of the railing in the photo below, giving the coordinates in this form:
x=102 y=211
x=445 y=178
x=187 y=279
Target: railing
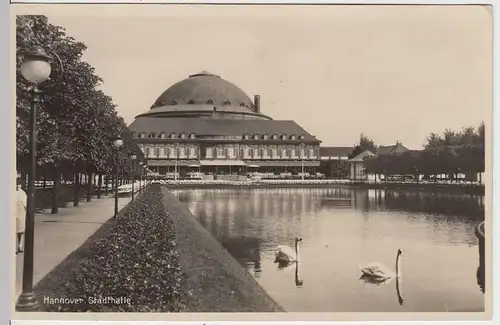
x=480 y=275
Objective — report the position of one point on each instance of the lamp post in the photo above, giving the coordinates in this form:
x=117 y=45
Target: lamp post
x=302 y=155
x=146 y=170
x=117 y=144
x=133 y=157
x=35 y=68
x=176 y=158
x=140 y=175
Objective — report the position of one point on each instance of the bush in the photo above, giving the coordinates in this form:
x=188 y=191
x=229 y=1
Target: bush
x=131 y=259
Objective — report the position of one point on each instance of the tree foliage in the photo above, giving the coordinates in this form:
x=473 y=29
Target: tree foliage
x=364 y=144
x=75 y=120
x=448 y=153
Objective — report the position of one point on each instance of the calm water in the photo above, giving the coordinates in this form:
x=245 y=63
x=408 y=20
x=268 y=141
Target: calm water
x=343 y=229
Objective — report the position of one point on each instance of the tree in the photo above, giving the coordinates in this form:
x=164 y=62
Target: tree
x=364 y=144
x=75 y=120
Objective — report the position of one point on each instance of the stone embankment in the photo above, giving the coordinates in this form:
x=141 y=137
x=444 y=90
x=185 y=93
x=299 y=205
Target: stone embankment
x=154 y=257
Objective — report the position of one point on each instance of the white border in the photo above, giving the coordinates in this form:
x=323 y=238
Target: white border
x=7 y=143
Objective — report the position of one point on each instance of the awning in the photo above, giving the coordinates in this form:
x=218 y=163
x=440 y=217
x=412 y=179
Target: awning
x=172 y=162
x=228 y=162
x=282 y=163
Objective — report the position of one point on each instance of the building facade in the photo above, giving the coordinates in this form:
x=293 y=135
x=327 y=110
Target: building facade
x=207 y=125
x=357 y=164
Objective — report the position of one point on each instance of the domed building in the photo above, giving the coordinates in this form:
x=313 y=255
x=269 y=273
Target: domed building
x=208 y=125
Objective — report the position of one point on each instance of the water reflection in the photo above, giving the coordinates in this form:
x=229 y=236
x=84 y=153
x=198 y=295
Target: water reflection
x=342 y=227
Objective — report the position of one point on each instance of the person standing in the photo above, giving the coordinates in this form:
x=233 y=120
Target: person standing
x=22 y=200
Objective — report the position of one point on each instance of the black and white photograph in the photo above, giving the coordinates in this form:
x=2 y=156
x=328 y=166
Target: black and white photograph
x=328 y=160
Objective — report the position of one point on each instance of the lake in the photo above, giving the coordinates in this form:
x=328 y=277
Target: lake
x=343 y=229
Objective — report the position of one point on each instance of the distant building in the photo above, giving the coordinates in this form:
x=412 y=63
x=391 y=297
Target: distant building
x=208 y=125
x=334 y=161
x=335 y=153
x=357 y=164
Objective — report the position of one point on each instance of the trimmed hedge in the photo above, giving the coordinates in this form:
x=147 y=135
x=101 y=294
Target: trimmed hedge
x=131 y=262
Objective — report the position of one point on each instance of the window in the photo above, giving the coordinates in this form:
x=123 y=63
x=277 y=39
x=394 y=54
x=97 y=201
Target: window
x=250 y=152
x=274 y=137
x=281 y=152
x=264 y=137
x=292 y=137
x=301 y=137
x=209 y=152
x=163 y=135
x=157 y=152
x=173 y=135
x=288 y=153
x=183 y=136
x=133 y=133
x=256 y=136
x=242 y=153
x=142 y=135
x=269 y=152
x=283 y=137
x=192 y=136
x=245 y=137
x=311 y=152
x=261 y=152
x=152 y=135
x=226 y=152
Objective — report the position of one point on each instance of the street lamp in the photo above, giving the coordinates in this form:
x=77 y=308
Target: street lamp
x=140 y=175
x=133 y=157
x=302 y=151
x=35 y=68
x=176 y=158
x=117 y=144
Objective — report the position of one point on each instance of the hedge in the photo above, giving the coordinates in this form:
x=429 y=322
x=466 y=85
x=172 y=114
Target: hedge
x=131 y=259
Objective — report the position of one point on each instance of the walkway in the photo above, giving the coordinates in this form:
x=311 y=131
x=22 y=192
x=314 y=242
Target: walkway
x=58 y=235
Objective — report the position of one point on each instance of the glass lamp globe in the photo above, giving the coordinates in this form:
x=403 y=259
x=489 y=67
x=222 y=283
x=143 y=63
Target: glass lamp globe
x=118 y=143
x=133 y=157
x=36 y=65
x=140 y=163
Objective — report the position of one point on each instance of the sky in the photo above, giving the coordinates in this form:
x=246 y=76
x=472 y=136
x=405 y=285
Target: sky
x=394 y=73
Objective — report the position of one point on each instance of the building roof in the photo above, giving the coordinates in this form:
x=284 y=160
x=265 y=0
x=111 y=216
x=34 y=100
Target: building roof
x=335 y=151
x=185 y=110
x=396 y=148
x=362 y=155
x=217 y=127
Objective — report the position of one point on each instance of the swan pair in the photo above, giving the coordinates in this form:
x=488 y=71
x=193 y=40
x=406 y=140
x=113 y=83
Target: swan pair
x=375 y=272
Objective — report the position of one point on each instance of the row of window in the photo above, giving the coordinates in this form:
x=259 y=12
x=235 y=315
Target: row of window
x=192 y=101
x=246 y=136
x=245 y=153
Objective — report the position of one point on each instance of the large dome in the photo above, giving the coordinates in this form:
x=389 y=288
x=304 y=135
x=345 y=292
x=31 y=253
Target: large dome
x=204 y=88
x=205 y=95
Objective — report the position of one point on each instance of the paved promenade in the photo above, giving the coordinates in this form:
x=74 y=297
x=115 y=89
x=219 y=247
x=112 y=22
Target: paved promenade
x=58 y=235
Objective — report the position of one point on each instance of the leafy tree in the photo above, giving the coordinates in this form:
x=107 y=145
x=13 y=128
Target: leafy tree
x=364 y=144
x=75 y=120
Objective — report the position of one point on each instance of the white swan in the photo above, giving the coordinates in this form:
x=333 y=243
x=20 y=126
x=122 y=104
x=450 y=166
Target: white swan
x=380 y=272
x=286 y=255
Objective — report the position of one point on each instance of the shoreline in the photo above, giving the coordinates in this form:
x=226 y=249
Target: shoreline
x=429 y=187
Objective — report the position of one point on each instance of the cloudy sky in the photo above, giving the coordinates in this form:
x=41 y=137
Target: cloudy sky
x=391 y=72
